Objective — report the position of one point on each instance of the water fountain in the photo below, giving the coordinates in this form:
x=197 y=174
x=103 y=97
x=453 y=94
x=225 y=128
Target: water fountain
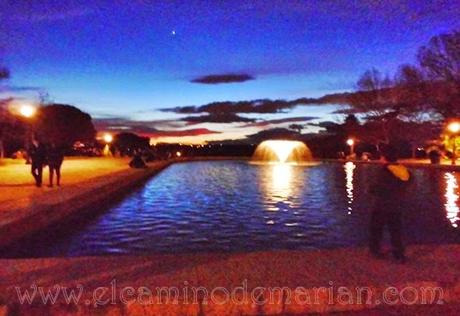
x=282 y=151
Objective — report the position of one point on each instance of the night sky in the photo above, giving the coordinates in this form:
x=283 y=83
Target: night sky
x=134 y=65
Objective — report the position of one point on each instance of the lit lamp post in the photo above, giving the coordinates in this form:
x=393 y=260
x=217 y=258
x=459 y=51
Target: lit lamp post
x=351 y=143
x=108 y=138
x=27 y=111
x=454 y=129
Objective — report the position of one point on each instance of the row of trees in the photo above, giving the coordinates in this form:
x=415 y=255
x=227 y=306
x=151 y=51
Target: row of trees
x=417 y=101
x=60 y=124
x=51 y=123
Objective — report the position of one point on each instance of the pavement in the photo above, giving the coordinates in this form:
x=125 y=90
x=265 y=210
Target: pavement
x=259 y=283
x=86 y=183
x=16 y=181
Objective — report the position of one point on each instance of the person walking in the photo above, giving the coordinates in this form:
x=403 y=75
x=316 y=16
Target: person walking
x=38 y=159
x=55 y=159
x=391 y=182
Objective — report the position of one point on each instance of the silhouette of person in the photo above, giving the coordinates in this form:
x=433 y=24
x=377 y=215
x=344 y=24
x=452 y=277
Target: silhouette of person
x=389 y=189
x=55 y=159
x=137 y=161
x=38 y=159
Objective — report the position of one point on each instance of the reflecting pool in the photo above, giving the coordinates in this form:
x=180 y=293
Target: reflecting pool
x=229 y=206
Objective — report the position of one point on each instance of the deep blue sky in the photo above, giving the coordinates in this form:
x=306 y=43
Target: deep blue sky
x=128 y=59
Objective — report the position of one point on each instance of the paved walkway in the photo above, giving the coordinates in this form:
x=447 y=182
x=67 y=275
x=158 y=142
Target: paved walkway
x=86 y=182
x=261 y=283
x=16 y=181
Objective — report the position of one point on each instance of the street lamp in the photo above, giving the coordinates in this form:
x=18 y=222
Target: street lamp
x=27 y=110
x=107 y=138
x=351 y=143
x=454 y=129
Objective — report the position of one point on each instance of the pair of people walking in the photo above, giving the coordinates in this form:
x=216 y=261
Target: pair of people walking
x=41 y=156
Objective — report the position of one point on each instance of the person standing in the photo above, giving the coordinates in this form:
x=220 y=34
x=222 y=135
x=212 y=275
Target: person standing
x=55 y=159
x=38 y=157
x=391 y=182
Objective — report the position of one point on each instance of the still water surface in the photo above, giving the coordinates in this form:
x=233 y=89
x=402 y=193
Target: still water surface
x=238 y=206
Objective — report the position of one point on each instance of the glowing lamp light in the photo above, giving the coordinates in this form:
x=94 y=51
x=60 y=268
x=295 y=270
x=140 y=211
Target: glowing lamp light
x=108 y=138
x=27 y=110
x=454 y=127
x=178 y=154
x=350 y=142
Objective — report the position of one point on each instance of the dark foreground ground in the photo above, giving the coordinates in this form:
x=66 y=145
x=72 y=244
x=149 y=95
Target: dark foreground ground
x=263 y=283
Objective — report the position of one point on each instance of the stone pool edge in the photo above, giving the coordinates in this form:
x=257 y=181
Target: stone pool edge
x=406 y=162
x=38 y=217
x=26 y=221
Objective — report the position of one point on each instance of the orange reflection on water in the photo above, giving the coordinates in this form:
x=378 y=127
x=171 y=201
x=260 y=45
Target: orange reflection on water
x=349 y=171
x=452 y=197
x=277 y=186
x=281 y=184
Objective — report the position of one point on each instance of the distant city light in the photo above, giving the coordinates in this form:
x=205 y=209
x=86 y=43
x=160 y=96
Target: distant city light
x=350 y=142
x=108 y=138
x=178 y=154
x=27 y=110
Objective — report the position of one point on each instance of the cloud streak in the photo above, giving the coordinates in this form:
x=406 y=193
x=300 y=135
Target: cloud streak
x=281 y=121
x=261 y=106
x=216 y=118
x=146 y=128
x=223 y=78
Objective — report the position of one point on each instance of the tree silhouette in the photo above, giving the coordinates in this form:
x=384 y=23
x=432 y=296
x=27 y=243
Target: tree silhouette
x=63 y=124
x=440 y=61
x=4 y=115
x=127 y=143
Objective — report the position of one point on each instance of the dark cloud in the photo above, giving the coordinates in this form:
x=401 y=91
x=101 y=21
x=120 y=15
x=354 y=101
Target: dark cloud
x=216 y=118
x=259 y=106
x=274 y=133
x=345 y=111
x=105 y=119
x=183 y=133
x=223 y=78
x=324 y=124
x=146 y=128
x=281 y=121
x=255 y=106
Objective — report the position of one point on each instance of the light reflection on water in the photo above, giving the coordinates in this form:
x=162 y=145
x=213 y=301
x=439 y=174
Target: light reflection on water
x=277 y=185
x=349 y=170
x=236 y=206
x=452 y=198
